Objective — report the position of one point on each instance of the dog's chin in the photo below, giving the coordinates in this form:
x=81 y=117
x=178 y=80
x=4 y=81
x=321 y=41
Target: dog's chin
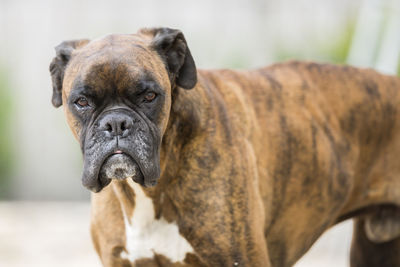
x=120 y=167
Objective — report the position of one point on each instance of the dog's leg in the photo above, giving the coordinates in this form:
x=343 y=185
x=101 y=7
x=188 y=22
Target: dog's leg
x=368 y=253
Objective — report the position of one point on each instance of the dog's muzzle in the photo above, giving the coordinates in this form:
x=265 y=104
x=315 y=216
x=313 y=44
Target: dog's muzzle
x=119 y=146
x=120 y=166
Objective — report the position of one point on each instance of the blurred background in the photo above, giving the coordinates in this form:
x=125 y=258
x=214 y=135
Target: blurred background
x=44 y=210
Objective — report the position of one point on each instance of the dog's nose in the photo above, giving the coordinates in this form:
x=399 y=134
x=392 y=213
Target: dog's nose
x=116 y=124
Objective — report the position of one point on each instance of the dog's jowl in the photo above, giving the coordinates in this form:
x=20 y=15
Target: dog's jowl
x=228 y=168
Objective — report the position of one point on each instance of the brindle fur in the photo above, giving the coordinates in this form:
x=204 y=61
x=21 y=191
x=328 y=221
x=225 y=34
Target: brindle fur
x=256 y=165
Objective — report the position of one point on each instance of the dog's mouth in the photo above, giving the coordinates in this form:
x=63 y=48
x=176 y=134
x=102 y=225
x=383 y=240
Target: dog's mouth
x=120 y=166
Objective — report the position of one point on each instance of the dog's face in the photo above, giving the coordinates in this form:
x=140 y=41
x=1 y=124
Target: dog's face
x=116 y=93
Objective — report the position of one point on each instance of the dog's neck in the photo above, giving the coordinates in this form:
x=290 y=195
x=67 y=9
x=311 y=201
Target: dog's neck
x=184 y=126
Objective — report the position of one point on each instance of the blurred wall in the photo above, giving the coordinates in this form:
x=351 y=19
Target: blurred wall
x=227 y=33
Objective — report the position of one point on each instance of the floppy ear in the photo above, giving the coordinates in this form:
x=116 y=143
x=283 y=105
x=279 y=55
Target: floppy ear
x=58 y=65
x=173 y=49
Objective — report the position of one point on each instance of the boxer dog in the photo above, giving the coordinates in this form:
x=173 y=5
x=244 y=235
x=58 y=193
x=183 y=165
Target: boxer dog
x=226 y=167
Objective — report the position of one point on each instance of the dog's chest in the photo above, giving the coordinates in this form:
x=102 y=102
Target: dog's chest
x=147 y=236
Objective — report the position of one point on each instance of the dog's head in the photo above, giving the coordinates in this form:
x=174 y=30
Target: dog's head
x=116 y=93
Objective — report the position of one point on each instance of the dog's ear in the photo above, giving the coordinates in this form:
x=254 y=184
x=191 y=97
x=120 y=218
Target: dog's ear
x=58 y=65
x=173 y=49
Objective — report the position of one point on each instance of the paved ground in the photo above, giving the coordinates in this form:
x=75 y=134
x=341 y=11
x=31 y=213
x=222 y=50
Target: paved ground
x=48 y=234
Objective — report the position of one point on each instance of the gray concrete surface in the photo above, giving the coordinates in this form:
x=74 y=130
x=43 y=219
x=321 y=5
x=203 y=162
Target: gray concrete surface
x=48 y=234
x=45 y=234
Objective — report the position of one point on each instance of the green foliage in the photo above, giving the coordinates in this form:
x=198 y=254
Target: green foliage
x=339 y=49
x=6 y=151
x=334 y=50
x=235 y=60
x=398 y=68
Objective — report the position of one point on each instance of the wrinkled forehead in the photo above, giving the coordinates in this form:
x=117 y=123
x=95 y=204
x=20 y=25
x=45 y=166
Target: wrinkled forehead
x=115 y=62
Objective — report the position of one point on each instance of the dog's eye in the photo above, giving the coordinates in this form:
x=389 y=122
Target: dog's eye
x=150 y=96
x=82 y=102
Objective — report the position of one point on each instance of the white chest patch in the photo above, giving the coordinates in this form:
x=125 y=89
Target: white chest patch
x=146 y=235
